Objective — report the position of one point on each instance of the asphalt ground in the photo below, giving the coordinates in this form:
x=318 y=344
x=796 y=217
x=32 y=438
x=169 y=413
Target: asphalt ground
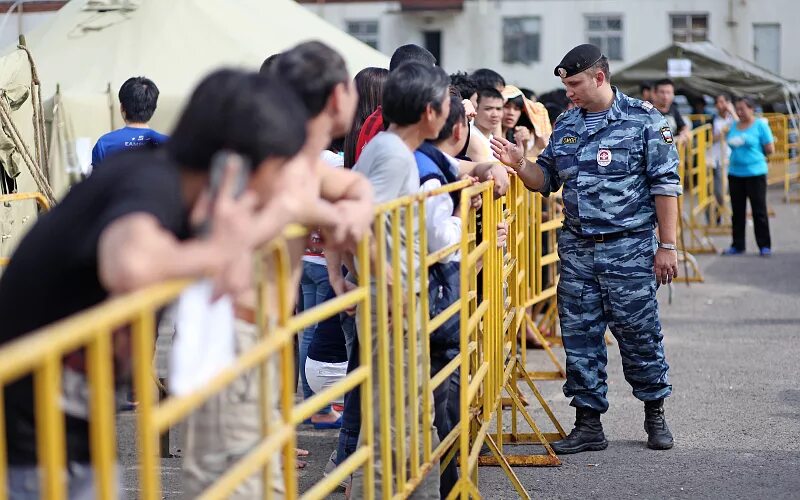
x=733 y=344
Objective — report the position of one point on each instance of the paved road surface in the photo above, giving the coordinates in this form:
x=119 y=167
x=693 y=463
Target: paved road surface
x=733 y=343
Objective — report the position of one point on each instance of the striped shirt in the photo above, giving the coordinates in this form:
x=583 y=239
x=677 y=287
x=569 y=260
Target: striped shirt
x=592 y=120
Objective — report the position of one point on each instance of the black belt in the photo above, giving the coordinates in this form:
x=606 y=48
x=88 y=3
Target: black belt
x=601 y=238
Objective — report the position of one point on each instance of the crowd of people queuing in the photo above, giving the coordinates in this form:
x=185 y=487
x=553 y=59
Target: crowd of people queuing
x=310 y=145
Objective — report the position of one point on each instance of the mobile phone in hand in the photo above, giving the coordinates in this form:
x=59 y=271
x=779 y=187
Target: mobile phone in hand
x=219 y=163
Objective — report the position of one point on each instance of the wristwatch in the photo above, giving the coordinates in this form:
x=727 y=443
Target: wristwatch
x=667 y=246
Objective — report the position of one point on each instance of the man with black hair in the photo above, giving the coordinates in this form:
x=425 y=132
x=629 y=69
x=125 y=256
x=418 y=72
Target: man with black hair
x=646 y=91
x=416 y=104
x=487 y=123
x=485 y=78
x=129 y=226
x=411 y=53
x=336 y=200
x=374 y=123
x=664 y=101
x=319 y=75
x=138 y=98
x=465 y=86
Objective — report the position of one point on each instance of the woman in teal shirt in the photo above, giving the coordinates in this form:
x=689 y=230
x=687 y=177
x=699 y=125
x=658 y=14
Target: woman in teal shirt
x=750 y=140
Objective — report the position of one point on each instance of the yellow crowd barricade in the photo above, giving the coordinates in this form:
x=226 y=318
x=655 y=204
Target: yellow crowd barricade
x=398 y=447
x=784 y=163
x=698 y=196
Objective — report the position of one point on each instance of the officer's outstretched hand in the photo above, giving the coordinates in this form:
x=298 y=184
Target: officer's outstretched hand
x=508 y=153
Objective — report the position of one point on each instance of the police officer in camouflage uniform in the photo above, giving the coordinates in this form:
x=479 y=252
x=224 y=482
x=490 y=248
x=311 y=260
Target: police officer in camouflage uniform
x=615 y=159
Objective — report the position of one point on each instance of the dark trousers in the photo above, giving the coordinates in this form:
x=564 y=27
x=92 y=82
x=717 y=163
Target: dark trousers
x=755 y=189
x=446 y=403
x=351 y=416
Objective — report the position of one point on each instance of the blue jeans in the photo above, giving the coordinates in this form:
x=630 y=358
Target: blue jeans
x=315 y=287
x=351 y=417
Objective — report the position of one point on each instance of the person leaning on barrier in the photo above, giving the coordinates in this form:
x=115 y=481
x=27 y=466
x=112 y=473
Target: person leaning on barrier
x=319 y=74
x=615 y=158
x=129 y=226
x=416 y=104
x=437 y=167
x=332 y=199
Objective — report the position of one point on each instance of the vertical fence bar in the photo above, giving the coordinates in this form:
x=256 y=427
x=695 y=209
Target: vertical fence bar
x=285 y=305
x=397 y=349
x=50 y=438
x=413 y=336
x=383 y=356
x=424 y=307
x=265 y=401
x=464 y=404
x=143 y=333
x=365 y=342
x=99 y=357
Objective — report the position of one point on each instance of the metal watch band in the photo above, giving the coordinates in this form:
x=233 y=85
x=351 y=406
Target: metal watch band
x=667 y=246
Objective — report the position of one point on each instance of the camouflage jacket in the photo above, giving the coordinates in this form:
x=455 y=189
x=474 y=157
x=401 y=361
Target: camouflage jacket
x=611 y=175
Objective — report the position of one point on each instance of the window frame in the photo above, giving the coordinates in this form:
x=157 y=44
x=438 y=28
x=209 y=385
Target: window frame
x=371 y=39
x=688 y=32
x=605 y=33
x=519 y=38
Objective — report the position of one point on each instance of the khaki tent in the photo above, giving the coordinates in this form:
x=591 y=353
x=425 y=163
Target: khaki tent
x=90 y=48
x=713 y=71
x=21 y=151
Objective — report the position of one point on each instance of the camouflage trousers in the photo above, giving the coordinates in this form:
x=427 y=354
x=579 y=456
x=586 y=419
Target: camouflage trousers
x=610 y=284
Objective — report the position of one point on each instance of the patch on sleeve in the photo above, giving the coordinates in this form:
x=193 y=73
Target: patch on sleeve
x=666 y=134
x=569 y=140
x=646 y=105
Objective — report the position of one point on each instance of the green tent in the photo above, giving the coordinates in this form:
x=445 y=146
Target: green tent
x=713 y=71
x=90 y=47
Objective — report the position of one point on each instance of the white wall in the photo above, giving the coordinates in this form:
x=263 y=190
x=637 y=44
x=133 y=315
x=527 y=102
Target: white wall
x=17 y=25
x=472 y=38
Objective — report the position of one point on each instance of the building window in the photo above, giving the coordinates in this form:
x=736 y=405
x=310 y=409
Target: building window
x=521 y=37
x=606 y=33
x=689 y=27
x=366 y=31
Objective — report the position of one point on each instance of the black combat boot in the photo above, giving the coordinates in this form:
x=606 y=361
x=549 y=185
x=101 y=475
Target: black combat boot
x=658 y=435
x=586 y=436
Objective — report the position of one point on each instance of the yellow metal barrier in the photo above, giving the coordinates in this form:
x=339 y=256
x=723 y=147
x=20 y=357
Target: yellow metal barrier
x=697 y=177
x=394 y=375
x=784 y=164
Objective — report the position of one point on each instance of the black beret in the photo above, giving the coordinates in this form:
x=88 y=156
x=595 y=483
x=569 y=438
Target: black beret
x=577 y=60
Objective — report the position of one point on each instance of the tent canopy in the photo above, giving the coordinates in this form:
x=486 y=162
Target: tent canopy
x=714 y=70
x=16 y=91
x=84 y=55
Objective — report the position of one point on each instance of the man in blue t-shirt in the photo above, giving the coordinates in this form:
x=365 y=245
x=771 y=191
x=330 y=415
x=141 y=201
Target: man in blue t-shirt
x=138 y=98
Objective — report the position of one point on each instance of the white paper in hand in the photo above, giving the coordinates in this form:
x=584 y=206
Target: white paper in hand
x=204 y=338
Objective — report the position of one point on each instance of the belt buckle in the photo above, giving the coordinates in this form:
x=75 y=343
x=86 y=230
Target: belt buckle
x=598 y=238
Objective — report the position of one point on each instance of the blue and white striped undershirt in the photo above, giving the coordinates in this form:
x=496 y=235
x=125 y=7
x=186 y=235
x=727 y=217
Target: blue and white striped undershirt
x=592 y=120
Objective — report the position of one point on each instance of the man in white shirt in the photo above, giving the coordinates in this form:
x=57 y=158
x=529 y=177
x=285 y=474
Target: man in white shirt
x=487 y=124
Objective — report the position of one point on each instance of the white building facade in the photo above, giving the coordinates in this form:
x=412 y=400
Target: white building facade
x=524 y=39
